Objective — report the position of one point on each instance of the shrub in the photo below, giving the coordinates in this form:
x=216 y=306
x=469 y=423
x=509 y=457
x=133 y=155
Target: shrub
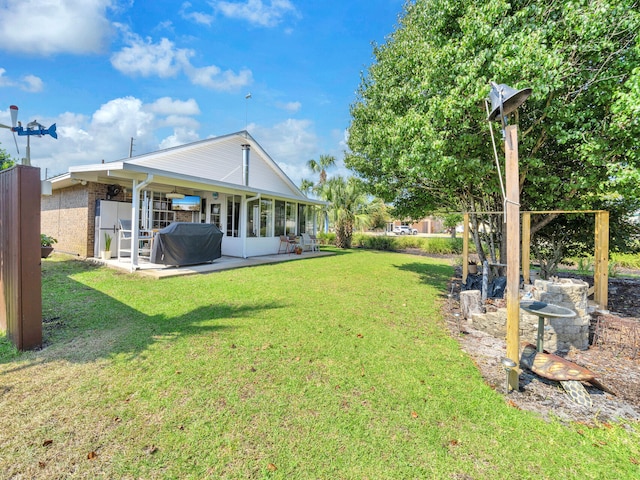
x=585 y=265
x=326 y=238
x=627 y=260
x=430 y=245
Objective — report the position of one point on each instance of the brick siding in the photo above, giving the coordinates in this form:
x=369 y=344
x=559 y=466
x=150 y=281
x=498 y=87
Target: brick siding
x=69 y=216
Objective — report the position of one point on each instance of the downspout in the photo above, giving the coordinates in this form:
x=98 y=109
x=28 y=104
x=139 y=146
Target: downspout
x=244 y=223
x=135 y=219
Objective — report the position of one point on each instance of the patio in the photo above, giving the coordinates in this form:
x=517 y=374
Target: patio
x=158 y=271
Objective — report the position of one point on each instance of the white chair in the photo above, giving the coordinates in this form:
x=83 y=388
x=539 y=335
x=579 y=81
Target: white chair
x=308 y=244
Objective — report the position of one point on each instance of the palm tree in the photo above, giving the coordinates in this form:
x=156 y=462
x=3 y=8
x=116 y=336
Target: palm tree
x=306 y=186
x=321 y=165
x=348 y=207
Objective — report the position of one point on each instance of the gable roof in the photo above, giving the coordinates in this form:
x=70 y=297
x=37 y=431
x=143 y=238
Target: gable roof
x=214 y=163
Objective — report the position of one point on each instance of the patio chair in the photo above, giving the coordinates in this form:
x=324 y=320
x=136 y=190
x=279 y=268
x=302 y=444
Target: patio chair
x=314 y=242
x=307 y=244
x=286 y=244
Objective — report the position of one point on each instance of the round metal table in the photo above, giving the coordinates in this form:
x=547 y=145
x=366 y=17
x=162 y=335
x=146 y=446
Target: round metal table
x=545 y=310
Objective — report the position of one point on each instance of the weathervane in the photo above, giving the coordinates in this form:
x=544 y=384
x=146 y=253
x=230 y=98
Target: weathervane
x=33 y=128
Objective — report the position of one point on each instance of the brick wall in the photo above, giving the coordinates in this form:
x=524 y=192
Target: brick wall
x=69 y=216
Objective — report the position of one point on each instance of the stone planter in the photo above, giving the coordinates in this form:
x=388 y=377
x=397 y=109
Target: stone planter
x=105 y=255
x=45 y=251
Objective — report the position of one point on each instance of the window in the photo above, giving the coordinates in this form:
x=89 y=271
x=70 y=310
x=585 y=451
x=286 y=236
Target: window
x=266 y=217
x=233 y=215
x=279 y=218
x=155 y=211
x=306 y=218
x=291 y=218
x=253 y=218
x=216 y=215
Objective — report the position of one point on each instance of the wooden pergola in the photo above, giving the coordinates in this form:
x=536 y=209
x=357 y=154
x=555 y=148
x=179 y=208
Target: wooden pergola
x=601 y=255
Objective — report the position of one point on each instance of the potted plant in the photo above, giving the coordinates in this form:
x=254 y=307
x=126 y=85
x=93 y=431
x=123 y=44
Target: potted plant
x=106 y=253
x=46 y=245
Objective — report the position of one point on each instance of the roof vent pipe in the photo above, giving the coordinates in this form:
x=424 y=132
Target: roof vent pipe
x=245 y=164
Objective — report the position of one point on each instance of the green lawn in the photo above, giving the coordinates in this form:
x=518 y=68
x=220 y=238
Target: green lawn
x=330 y=368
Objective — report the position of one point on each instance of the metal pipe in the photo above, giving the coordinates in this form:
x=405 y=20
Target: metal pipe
x=245 y=164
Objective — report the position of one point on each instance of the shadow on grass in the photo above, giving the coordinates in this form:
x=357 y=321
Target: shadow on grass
x=436 y=275
x=92 y=325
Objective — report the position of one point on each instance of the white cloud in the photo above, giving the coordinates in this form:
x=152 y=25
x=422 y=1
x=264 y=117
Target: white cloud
x=28 y=83
x=289 y=106
x=143 y=57
x=167 y=106
x=44 y=27
x=106 y=134
x=214 y=78
x=290 y=143
x=32 y=83
x=198 y=17
x=179 y=121
x=257 y=12
x=4 y=81
x=180 y=137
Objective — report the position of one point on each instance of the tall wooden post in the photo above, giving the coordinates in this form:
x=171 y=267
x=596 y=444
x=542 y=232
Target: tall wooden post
x=601 y=267
x=512 y=215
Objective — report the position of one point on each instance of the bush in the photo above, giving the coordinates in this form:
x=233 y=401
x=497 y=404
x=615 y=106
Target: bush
x=374 y=242
x=326 y=238
x=626 y=260
x=429 y=245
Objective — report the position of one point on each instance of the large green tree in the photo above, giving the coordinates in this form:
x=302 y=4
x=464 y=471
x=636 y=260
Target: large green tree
x=419 y=135
x=5 y=159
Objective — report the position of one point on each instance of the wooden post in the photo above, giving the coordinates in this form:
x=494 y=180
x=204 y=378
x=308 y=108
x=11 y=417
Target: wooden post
x=512 y=215
x=601 y=267
x=465 y=249
x=526 y=246
x=20 y=270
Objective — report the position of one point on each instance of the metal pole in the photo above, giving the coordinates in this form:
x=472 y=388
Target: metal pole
x=540 y=339
x=28 y=159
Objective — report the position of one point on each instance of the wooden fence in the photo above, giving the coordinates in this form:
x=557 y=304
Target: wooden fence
x=20 y=274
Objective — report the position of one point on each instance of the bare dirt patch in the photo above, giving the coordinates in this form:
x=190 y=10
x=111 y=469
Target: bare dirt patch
x=617 y=368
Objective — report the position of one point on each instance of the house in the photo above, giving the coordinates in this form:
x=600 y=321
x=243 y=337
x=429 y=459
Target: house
x=427 y=225
x=229 y=181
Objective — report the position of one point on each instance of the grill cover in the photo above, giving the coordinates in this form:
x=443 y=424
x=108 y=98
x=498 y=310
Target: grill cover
x=184 y=243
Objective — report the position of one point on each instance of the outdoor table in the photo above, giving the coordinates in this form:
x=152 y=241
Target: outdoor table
x=545 y=310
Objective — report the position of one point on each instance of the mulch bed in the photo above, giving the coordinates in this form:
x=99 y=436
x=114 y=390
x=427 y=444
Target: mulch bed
x=616 y=364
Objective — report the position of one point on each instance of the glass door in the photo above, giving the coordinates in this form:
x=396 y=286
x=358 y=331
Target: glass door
x=215 y=214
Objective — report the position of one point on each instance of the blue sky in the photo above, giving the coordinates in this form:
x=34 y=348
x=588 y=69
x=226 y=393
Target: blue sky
x=169 y=73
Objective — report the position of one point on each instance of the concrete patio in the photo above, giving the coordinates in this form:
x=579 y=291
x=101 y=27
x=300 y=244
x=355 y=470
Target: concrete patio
x=158 y=271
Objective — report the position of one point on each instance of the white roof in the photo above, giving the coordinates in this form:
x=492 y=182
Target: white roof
x=211 y=164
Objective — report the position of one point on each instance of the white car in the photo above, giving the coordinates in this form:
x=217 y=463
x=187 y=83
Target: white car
x=404 y=230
